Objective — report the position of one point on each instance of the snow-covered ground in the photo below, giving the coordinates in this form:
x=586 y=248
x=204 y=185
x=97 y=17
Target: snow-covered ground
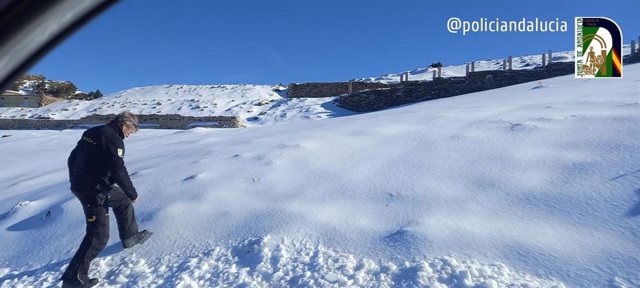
x=525 y=186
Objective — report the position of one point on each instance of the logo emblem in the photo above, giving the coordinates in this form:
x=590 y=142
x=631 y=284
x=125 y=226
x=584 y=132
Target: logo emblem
x=121 y=153
x=598 y=48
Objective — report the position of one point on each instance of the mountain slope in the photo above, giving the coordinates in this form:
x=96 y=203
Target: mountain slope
x=255 y=105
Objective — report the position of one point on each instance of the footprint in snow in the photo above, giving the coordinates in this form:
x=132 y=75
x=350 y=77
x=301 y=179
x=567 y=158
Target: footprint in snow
x=288 y=146
x=521 y=127
x=39 y=220
x=539 y=87
x=405 y=239
x=266 y=161
x=190 y=177
x=15 y=209
x=392 y=198
x=251 y=180
x=249 y=253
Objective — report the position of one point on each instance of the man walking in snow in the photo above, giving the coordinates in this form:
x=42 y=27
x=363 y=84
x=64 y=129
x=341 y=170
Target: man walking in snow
x=100 y=180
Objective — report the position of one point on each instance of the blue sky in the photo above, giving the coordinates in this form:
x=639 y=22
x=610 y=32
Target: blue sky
x=145 y=42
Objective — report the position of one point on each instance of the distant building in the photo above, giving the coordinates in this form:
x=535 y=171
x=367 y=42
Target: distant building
x=15 y=99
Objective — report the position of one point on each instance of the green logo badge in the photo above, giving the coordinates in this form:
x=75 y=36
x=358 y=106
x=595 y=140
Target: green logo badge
x=598 y=48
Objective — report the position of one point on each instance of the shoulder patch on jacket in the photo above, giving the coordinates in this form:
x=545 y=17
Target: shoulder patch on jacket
x=87 y=139
x=121 y=153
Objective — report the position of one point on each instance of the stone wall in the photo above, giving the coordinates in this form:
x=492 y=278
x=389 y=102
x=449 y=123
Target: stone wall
x=630 y=59
x=417 y=91
x=30 y=101
x=329 y=89
x=153 y=121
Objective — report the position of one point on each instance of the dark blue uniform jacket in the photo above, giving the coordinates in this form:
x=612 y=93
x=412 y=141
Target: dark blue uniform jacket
x=97 y=162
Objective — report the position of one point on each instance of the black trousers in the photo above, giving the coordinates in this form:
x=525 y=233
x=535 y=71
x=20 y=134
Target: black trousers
x=97 y=235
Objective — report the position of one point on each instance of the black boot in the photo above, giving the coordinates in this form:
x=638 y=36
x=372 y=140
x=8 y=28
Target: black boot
x=139 y=238
x=79 y=282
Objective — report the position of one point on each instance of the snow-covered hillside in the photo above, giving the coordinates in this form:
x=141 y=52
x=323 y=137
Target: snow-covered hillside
x=524 y=186
x=518 y=63
x=255 y=105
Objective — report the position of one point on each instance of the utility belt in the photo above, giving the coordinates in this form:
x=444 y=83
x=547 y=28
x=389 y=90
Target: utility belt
x=103 y=193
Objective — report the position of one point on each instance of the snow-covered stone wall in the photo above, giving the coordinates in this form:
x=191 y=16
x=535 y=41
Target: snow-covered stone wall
x=170 y=121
